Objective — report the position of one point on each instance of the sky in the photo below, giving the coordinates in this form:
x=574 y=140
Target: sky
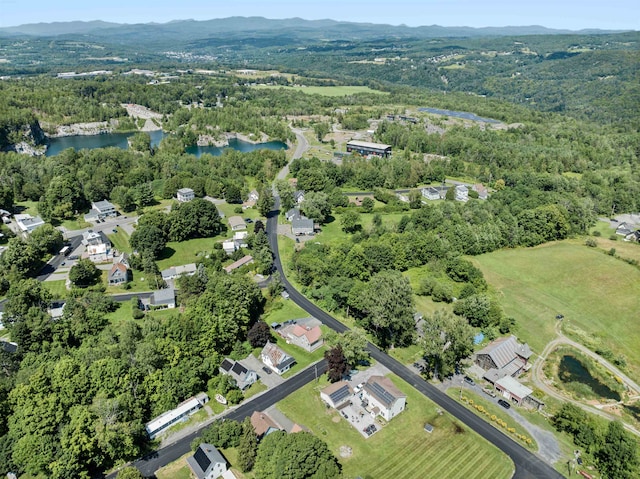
x=565 y=14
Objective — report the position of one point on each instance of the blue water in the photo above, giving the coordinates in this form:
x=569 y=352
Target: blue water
x=458 y=114
x=120 y=140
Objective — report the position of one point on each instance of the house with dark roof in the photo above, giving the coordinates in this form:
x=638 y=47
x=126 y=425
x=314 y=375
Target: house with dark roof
x=263 y=425
x=207 y=462
x=242 y=376
x=383 y=397
x=366 y=148
x=298 y=196
x=306 y=338
x=119 y=274
x=292 y=214
x=276 y=359
x=503 y=357
x=9 y=347
x=337 y=394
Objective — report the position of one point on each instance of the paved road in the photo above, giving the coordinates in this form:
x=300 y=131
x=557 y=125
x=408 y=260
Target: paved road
x=527 y=465
x=150 y=464
x=539 y=379
x=302 y=145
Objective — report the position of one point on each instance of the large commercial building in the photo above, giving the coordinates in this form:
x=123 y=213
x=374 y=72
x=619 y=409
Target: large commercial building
x=366 y=148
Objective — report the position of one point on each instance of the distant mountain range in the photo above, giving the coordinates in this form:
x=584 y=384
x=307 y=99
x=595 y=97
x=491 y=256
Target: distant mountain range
x=190 y=30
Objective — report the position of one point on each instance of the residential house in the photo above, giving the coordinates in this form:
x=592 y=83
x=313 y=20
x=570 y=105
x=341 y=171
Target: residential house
x=252 y=199
x=8 y=347
x=503 y=357
x=177 y=271
x=512 y=390
x=263 y=425
x=623 y=229
x=462 y=193
x=302 y=226
x=163 y=299
x=123 y=258
x=366 y=148
x=337 y=394
x=292 y=214
x=56 y=310
x=248 y=259
x=482 y=191
x=229 y=246
x=28 y=223
x=240 y=239
x=383 y=397
x=402 y=197
x=119 y=274
x=184 y=195
x=186 y=408
x=635 y=236
x=242 y=376
x=101 y=210
x=308 y=339
x=236 y=223
x=276 y=359
x=430 y=193
x=207 y=462
x=298 y=196
x=98 y=246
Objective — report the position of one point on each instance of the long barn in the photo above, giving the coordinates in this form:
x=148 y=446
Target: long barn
x=366 y=148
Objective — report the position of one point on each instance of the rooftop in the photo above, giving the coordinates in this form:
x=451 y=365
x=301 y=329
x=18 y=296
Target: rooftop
x=312 y=334
x=338 y=392
x=368 y=144
x=383 y=389
x=241 y=262
x=514 y=386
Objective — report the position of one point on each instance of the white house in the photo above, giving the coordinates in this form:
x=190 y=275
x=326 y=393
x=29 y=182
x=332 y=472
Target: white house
x=302 y=226
x=308 y=339
x=101 y=210
x=98 y=246
x=336 y=394
x=177 y=271
x=207 y=462
x=276 y=359
x=298 y=196
x=462 y=193
x=184 y=195
x=242 y=376
x=229 y=246
x=236 y=223
x=28 y=223
x=430 y=193
x=163 y=298
x=383 y=397
x=163 y=422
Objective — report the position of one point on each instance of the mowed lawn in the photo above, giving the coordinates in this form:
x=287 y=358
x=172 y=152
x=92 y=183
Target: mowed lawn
x=401 y=449
x=599 y=295
x=328 y=90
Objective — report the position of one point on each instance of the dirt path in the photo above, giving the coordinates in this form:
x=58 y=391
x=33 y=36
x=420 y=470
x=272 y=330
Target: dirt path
x=538 y=378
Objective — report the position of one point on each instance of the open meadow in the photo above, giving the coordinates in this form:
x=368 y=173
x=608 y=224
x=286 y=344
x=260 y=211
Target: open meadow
x=599 y=296
x=402 y=448
x=328 y=90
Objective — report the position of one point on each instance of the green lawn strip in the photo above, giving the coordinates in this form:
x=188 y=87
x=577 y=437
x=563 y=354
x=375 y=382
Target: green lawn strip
x=604 y=228
x=58 y=289
x=283 y=310
x=407 y=355
x=598 y=295
x=185 y=252
x=231 y=455
x=493 y=409
x=77 y=224
x=120 y=240
x=326 y=90
x=254 y=389
x=624 y=249
x=178 y=469
x=138 y=284
x=123 y=313
x=401 y=449
x=30 y=207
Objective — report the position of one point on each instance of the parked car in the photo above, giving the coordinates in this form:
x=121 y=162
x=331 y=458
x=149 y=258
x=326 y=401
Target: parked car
x=504 y=403
x=489 y=391
x=266 y=369
x=470 y=381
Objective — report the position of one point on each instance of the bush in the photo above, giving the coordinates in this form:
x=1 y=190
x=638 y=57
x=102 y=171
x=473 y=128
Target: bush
x=613 y=237
x=591 y=243
x=596 y=233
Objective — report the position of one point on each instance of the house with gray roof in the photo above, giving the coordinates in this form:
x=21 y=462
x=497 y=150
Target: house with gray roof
x=503 y=357
x=431 y=193
x=242 y=376
x=383 y=397
x=119 y=274
x=302 y=226
x=236 y=223
x=292 y=214
x=512 y=390
x=184 y=195
x=163 y=298
x=177 y=271
x=207 y=462
x=337 y=394
x=101 y=210
x=462 y=193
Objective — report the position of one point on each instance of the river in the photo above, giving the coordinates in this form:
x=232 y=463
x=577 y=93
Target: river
x=120 y=140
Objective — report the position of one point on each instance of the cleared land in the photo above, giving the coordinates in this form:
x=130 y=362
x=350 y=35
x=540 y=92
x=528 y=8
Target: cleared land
x=402 y=449
x=598 y=295
x=328 y=90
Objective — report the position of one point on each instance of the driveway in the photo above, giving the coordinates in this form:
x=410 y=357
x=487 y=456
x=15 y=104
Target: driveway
x=270 y=380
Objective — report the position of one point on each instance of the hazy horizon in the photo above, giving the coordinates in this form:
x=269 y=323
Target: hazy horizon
x=568 y=15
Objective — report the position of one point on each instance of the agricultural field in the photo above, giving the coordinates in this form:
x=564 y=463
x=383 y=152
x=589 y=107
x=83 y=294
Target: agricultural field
x=401 y=449
x=598 y=294
x=327 y=90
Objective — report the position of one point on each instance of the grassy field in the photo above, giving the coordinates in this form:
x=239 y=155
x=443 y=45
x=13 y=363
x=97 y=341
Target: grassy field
x=288 y=310
x=120 y=240
x=178 y=469
x=328 y=90
x=57 y=288
x=599 y=295
x=402 y=449
x=332 y=232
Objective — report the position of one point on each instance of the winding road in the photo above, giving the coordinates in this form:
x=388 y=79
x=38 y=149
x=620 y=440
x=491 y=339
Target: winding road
x=542 y=382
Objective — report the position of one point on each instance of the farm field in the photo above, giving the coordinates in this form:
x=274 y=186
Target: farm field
x=328 y=90
x=401 y=449
x=598 y=295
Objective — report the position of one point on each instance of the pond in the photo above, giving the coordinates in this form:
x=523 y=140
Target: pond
x=120 y=140
x=571 y=370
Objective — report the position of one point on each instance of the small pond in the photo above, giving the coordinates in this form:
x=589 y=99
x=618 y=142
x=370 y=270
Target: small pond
x=571 y=370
